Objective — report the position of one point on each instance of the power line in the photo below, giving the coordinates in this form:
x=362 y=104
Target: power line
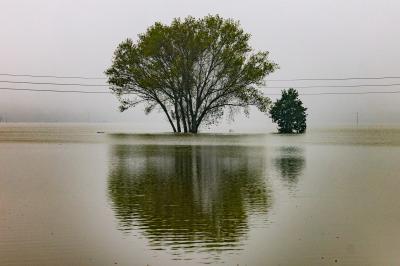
x=58 y=91
x=268 y=94
x=273 y=80
x=48 y=76
x=338 y=79
x=53 y=83
x=264 y=87
x=331 y=86
x=340 y=93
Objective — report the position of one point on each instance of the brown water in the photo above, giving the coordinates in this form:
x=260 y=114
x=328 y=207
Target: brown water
x=72 y=196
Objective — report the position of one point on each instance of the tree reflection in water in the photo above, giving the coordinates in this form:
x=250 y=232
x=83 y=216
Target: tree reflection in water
x=188 y=198
x=289 y=164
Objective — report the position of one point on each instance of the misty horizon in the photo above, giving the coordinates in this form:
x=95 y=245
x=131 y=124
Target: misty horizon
x=336 y=39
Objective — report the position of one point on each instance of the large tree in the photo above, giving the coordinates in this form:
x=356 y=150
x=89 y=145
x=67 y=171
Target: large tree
x=194 y=70
x=289 y=113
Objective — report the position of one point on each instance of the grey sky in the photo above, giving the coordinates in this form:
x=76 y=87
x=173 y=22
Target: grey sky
x=308 y=38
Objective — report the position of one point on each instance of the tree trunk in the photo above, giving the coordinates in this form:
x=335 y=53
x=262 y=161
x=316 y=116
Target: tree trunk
x=195 y=127
x=178 y=122
x=184 y=122
x=168 y=116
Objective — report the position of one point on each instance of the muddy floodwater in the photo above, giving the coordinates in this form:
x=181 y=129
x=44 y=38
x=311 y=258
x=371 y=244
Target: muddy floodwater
x=96 y=195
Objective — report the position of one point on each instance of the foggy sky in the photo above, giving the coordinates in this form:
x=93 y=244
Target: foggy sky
x=308 y=39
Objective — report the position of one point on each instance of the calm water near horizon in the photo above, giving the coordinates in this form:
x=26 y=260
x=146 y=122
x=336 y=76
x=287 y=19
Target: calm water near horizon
x=96 y=195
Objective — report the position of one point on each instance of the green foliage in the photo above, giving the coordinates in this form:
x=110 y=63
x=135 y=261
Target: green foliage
x=289 y=113
x=193 y=70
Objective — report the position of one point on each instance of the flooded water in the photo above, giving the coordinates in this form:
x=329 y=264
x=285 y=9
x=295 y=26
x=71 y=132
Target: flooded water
x=89 y=195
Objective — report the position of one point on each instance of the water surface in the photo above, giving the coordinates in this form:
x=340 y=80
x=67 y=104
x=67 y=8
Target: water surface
x=72 y=196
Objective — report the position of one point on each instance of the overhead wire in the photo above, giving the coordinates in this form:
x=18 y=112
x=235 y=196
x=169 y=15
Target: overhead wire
x=261 y=87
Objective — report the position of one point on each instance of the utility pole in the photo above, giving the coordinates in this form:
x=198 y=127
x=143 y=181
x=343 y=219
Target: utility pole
x=357 y=119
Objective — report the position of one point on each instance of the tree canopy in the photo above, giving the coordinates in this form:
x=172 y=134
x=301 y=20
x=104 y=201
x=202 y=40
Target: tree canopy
x=193 y=70
x=288 y=112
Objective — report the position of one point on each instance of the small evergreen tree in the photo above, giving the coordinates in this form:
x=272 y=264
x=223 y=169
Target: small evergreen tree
x=288 y=112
